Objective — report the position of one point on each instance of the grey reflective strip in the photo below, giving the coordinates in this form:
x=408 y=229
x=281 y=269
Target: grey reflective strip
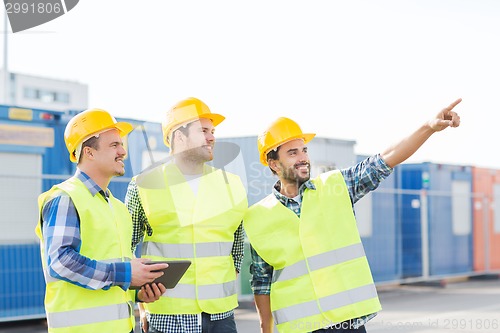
x=181 y=291
x=348 y=297
x=217 y=290
x=210 y=291
x=295 y=312
x=319 y=261
x=89 y=316
x=327 y=303
x=184 y=251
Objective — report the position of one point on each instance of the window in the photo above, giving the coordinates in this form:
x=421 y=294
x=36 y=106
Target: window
x=31 y=93
x=46 y=96
x=461 y=207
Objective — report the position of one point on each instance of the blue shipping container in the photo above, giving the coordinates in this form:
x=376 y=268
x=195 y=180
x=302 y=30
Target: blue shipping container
x=23 y=287
x=448 y=189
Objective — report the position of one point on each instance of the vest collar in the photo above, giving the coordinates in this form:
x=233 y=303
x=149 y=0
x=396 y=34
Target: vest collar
x=284 y=199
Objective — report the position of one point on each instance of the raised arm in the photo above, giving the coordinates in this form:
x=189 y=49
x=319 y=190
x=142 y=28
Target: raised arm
x=401 y=151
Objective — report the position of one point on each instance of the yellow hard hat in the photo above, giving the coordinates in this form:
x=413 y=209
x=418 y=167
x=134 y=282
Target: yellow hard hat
x=89 y=122
x=279 y=132
x=185 y=111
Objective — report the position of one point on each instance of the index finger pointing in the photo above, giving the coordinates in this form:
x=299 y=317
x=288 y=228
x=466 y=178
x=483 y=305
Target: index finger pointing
x=452 y=105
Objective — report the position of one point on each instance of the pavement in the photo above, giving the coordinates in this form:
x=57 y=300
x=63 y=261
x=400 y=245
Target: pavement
x=471 y=306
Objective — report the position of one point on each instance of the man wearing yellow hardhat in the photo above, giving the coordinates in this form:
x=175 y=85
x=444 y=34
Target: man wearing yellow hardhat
x=309 y=269
x=191 y=211
x=85 y=236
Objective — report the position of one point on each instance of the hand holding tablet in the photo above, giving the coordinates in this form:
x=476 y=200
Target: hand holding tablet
x=171 y=275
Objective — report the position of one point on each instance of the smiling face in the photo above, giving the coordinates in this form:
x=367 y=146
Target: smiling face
x=110 y=154
x=198 y=142
x=293 y=165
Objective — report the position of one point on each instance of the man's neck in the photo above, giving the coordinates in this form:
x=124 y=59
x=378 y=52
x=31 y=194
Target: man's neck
x=99 y=179
x=189 y=167
x=289 y=190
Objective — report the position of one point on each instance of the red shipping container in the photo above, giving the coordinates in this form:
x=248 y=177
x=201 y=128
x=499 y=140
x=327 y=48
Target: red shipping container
x=486 y=228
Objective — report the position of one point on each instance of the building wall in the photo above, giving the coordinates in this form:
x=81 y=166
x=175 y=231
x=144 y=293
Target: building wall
x=44 y=93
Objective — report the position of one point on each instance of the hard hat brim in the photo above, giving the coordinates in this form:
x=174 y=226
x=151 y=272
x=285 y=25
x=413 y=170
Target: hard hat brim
x=124 y=128
x=214 y=117
x=307 y=137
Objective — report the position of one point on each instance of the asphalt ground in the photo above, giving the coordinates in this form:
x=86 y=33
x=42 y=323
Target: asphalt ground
x=465 y=306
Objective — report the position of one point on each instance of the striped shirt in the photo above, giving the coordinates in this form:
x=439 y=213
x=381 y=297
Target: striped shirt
x=179 y=323
x=61 y=234
x=360 y=180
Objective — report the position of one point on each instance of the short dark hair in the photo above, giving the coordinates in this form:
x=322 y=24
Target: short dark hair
x=183 y=129
x=273 y=155
x=92 y=142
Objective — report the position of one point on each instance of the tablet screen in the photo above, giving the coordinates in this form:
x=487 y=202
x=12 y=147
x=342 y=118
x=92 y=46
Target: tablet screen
x=172 y=274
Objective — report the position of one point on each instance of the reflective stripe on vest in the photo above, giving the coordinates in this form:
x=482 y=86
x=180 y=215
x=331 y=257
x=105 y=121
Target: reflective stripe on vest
x=183 y=251
x=89 y=316
x=330 y=302
x=209 y=291
x=319 y=261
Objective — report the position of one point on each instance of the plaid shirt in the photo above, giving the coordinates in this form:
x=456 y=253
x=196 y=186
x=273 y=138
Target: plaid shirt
x=360 y=180
x=61 y=234
x=179 y=323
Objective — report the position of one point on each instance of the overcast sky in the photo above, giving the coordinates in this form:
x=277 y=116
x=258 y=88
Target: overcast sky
x=369 y=71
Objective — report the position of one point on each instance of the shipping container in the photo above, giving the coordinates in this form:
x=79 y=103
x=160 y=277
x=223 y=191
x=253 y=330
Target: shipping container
x=436 y=217
x=486 y=189
x=25 y=138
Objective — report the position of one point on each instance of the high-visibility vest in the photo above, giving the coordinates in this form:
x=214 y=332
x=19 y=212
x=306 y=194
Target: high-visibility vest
x=106 y=234
x=198 y=227
x=321 y=274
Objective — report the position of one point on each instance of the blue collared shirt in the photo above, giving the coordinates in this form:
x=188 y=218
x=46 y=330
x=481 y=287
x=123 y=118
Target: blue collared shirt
x=360 y=180
x=61 y=233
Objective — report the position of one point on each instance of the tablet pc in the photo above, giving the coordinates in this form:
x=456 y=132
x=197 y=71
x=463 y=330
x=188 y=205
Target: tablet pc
x=172 y=274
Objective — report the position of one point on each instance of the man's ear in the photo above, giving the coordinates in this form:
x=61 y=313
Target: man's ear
x=273 y=165
x=87 y=151
x=179 y=136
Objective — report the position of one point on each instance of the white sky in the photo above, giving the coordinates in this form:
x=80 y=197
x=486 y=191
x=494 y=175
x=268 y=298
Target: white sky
x=369 y=71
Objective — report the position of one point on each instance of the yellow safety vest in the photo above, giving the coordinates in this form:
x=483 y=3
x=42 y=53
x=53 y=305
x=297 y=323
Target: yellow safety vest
x=321 y=274
x=106 y=233
x=198 y=227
